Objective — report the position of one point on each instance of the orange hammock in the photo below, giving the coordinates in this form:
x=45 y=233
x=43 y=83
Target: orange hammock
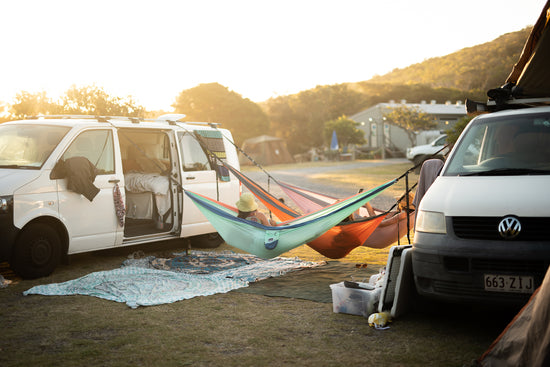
x=393 y=227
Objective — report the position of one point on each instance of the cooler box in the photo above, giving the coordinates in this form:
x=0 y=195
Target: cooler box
x=353 y=301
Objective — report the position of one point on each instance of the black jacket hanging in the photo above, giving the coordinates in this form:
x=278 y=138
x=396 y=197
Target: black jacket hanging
x=80 y=174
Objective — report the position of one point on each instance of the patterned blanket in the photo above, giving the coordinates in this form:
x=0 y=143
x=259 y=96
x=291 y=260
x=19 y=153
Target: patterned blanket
x=151 y=281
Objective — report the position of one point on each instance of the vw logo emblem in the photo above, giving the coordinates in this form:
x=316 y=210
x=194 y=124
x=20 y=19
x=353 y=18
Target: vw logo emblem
x=509 y=227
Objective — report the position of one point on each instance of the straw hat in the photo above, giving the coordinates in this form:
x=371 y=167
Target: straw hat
x=247 y=203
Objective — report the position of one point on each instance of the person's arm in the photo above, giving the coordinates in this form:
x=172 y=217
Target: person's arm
x=370 y=210
x=264 y=220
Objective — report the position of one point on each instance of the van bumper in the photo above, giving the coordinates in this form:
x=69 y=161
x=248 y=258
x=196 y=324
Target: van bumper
x=450 y=269
x=8 y=234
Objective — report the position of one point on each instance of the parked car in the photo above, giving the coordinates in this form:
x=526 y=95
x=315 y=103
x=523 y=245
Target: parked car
x=482 y=227
x=78 y=184
x=420 y=153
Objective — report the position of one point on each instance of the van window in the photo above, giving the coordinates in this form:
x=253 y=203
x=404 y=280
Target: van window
x=28 y=146
x=192 y=155
x=145 y=151
x=517 y=144
x=97 y=147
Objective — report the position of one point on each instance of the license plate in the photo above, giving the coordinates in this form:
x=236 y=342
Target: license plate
x=508 y=283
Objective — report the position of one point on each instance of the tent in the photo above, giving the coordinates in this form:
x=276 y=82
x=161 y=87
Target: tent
x=526 y=339
x=531 y=74
x=529 y=81
x=265 y=150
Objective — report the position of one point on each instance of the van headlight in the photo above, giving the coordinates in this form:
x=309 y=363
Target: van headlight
x=431 y=222
x=6 y=204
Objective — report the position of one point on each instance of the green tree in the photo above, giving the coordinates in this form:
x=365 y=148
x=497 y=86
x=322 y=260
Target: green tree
x=215 y=103
x=454 y=132
x=89 y=100
x=32 y=104
x=93 y=100
x=346 y=131
x=300 y=118
x=411 y=119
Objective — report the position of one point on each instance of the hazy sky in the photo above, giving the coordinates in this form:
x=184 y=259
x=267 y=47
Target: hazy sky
x=152 y=50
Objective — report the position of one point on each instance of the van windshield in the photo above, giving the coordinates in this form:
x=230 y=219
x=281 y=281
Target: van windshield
x=28 y=146
x=503 y=146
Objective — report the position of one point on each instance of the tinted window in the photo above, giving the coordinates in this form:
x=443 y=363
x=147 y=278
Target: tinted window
x=507 y=145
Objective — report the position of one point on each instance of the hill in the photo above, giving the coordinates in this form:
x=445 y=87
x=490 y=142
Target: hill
x=468 y=73
x=471 y=69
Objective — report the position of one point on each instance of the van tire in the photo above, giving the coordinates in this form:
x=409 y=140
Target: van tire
x=209 y=240
x=37 y=251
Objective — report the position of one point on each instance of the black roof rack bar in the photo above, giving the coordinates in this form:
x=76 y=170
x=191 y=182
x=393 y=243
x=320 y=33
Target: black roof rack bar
x=521 y=101
x=135 y=120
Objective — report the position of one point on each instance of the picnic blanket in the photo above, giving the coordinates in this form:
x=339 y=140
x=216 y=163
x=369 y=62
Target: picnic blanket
x=200 y=262
x=139 y=283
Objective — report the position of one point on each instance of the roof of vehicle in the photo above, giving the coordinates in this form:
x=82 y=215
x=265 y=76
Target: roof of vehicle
x=166 y=121
x=521 y=111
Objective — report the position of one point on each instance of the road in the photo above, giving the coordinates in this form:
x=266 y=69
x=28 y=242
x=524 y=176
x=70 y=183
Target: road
x=303 y=177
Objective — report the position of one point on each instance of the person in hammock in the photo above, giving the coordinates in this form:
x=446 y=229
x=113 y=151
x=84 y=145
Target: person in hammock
x=357 y=214
x=248 y=209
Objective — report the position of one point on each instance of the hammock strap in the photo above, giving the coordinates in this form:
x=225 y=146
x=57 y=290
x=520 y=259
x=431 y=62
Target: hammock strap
x=251 y=160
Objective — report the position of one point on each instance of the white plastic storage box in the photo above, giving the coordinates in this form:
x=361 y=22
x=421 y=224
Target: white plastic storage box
x=361 y=302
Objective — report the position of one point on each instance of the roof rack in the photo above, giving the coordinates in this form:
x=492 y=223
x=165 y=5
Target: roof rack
x=473 y=107
x=171 y=119
x=523 y=101
x=89 y=117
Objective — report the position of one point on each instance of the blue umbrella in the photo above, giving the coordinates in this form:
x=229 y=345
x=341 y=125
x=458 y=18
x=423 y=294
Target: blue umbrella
x=334 y=141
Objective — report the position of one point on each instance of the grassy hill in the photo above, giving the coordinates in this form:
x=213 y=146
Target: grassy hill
x=471 y=69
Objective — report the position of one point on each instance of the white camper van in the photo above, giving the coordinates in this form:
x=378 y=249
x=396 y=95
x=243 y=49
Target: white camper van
x=483 y=227
x=71 y=184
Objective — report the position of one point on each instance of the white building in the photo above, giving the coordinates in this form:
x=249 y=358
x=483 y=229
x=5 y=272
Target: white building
x=381 y=133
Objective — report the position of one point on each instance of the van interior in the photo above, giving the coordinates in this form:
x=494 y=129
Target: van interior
x=146 y=163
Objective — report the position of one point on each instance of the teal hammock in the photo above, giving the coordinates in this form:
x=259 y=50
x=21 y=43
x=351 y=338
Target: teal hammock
x=271 y=241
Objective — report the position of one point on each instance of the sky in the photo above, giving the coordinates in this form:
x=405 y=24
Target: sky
x=153 y=50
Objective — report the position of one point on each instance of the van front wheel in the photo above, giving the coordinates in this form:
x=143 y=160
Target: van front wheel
x=37 y=251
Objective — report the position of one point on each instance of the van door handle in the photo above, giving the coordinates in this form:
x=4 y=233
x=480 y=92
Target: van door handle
x=190 y=177
x=114 y=180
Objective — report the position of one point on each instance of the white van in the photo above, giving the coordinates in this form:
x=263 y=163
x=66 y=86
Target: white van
x=73 y=184
x=483 y=227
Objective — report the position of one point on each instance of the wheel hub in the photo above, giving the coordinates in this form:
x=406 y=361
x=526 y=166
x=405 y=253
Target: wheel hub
x=41 y=251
